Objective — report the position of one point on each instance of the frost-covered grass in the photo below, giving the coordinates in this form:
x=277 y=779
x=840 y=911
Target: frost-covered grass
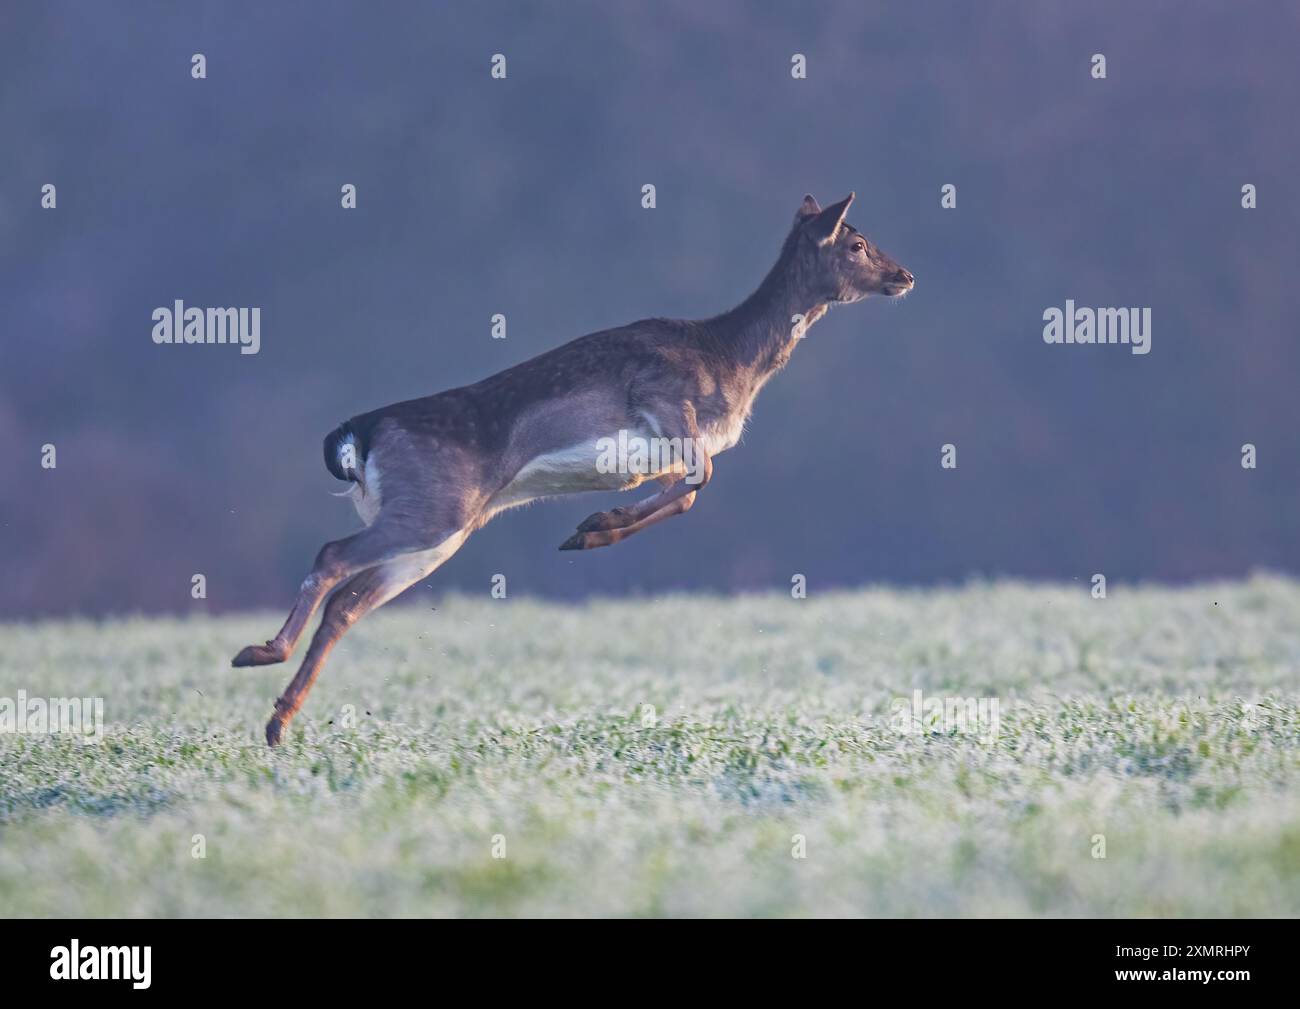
x=1165 y=720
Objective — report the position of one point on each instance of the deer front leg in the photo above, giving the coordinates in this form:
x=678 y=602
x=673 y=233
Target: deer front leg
x=626 y=515
x=608 y=537
x=604 y=529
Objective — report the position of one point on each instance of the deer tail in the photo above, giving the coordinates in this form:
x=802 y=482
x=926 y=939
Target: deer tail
x=345 y=455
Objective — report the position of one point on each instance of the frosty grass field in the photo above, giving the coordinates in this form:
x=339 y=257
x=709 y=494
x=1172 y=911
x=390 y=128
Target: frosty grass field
x=1165 y=720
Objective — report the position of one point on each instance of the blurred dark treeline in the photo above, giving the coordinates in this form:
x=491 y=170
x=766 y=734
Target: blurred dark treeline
x=478 y=196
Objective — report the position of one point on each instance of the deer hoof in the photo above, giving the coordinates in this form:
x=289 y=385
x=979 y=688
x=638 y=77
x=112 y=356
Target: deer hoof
x=602 y=521
x=578 y=541
x=259 y=655
x=589 y=541
x=274 y=729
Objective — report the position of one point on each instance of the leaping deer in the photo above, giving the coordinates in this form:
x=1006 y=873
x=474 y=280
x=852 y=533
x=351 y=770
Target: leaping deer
x=428 y=472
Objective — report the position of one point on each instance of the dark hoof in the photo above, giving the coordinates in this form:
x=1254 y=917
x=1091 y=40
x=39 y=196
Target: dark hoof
x=274 y=729
x=601 y=521
x=578 y=541
x=258 y=655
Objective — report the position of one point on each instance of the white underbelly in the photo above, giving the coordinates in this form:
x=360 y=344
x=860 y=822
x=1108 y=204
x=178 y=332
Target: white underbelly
x=602 y=464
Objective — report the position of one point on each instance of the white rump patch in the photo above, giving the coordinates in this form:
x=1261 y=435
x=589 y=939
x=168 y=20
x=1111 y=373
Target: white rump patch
x=367 y=502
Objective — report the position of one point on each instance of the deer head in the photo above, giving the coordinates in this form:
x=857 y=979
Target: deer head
x=839 y=261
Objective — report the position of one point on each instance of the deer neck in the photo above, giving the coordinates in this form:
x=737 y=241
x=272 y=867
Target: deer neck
x=758 y=336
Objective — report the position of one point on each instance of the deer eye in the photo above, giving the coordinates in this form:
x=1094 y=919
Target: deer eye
x=859 y=246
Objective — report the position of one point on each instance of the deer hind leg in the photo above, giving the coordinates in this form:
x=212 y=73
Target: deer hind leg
x=356 y=597
x=336 y=561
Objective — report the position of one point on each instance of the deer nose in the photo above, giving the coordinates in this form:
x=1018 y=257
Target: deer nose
x=904 y=276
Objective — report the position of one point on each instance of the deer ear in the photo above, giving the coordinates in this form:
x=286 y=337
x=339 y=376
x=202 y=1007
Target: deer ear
x=825 y=226
x=809 y=208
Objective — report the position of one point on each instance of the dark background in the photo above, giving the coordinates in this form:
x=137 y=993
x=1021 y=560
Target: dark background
x=522 y=196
